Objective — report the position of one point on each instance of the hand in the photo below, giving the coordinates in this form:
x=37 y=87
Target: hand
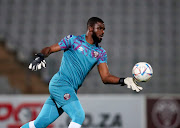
x=38 y=62
x=131 y=83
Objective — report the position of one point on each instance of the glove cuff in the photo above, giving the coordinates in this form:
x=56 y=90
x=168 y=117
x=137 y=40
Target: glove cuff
x=40 y=55
x=121 y=81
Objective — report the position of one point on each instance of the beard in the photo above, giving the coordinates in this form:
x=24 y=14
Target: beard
x=96 y=39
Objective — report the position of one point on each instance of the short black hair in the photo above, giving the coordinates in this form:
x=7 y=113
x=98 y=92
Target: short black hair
x=94 y=20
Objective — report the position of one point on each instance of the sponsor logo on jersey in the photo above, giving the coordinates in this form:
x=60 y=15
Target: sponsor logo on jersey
x=81 y=49
x=67 y=96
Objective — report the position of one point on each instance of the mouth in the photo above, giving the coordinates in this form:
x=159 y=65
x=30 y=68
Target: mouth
x=101 y=36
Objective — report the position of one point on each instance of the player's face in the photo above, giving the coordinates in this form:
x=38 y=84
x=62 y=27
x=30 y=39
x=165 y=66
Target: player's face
x=98 y=32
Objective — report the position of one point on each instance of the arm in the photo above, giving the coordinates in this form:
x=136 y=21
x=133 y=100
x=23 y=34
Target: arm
x=39 y=61
x=106 y=77
x=51 y=49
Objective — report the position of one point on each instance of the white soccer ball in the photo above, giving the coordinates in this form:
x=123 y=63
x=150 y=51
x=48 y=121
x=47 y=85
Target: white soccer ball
x=142 y=71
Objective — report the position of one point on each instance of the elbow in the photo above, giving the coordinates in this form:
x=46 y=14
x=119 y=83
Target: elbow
x=104 y=81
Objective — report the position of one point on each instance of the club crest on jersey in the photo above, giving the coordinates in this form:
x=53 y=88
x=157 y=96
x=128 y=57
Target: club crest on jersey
x=67 y=96
x=95 y=54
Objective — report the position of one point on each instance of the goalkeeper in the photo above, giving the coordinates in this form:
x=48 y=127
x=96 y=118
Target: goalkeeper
x=81 y=54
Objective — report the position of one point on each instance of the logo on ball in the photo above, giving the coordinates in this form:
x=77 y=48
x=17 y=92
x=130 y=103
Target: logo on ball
x=142 y=71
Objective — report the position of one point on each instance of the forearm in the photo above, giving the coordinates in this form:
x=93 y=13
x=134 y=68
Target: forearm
x=107 y=78
x=46 y=51
x=111 y=79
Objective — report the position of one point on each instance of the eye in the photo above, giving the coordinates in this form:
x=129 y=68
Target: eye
x=101 y=28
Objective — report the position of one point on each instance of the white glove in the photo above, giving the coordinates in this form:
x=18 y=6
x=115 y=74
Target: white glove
x=131 y=83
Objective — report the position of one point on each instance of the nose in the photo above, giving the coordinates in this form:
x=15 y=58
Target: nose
x=102 y=32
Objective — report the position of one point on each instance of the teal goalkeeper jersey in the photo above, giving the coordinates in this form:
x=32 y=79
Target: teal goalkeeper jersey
x=78 y=59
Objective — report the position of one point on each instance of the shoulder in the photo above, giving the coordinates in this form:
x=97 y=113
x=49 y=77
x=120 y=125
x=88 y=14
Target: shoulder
x=101 y=50
x=68 y=37
x=79 y=37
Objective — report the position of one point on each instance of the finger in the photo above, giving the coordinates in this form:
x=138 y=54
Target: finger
x=44 y=61
x=34 y=68
x=140 y=88
x=133 y=88
x=30 y=66
x=137 y=90
x=43 y=64
x=39 y=66
x=128 y=86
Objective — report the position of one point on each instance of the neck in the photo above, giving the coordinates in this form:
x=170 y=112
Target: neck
x=89 y=38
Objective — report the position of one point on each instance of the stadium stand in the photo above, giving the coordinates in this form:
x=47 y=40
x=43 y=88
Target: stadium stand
x=6 y=87
x=138 y=30
x=15 y=78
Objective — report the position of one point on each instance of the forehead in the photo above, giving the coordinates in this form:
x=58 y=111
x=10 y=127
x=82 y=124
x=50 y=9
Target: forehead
x=99 y=24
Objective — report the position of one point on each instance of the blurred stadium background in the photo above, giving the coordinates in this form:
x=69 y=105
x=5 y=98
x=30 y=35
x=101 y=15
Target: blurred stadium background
x=136 y=30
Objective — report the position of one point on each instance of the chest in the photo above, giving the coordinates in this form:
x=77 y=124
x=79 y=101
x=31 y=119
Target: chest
x=86 y=52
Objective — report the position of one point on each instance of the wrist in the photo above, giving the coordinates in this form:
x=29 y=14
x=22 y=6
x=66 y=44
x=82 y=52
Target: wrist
x=41 y=55
x=121 y=81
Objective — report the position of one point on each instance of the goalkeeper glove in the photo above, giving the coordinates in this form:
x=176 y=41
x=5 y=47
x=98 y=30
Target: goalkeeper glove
x=131 y=83
x=38 y=62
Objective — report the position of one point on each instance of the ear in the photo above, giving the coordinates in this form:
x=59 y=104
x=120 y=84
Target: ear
x=90 y=28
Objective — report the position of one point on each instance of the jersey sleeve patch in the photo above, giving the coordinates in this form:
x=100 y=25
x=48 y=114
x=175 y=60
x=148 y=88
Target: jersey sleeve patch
x=69 y=37
x=66 y=42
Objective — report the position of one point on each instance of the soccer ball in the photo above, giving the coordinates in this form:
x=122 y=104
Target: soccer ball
x=142 y=71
